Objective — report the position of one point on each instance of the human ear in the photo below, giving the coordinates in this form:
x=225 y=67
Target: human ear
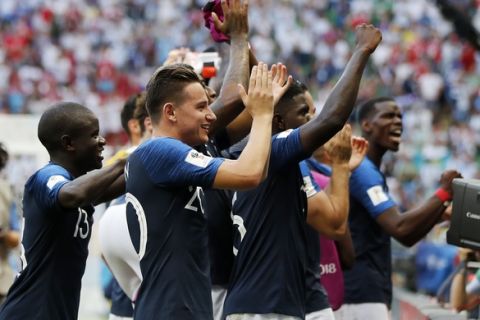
x=169 y=112
x=366 y=126
x=66 y=142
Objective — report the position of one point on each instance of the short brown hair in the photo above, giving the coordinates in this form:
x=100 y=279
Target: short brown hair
x=140 y=112
x=166 y=84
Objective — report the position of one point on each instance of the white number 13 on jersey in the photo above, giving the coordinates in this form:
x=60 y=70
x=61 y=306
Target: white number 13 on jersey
x=82 y=227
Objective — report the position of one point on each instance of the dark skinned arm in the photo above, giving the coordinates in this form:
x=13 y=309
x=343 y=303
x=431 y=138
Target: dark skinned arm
x=414 y=224
x=86 y=189
x=229 y=104
x=116 y=189
x=341 y=100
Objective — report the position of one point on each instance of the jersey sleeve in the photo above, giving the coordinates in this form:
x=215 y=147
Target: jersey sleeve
x=47 y=184
x=171 y=162
x=310 y=187
x=286 y=148
x=367 y=187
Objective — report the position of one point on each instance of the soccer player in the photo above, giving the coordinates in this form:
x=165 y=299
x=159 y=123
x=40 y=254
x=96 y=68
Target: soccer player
x=268 y=278
x=374 y=216
x=344 y=153
x=58 y=210
x=115 y=244
x=165 y=177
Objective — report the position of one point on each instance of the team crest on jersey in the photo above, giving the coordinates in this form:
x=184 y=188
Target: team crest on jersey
x=377 y=195
x=54 y=180
x=284 y=134
x=198 y=159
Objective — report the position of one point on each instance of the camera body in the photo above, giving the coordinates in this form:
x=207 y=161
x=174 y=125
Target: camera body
x=464 y=228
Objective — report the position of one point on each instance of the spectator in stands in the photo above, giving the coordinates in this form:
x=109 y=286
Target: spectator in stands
x=9 y=233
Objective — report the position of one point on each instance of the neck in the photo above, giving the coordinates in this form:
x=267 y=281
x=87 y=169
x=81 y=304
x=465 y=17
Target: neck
x=67 y=164
x=375 y=154
x=164 y=132
x=135 y=140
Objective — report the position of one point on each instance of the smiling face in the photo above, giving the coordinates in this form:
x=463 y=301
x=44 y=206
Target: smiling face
x=193 y=115
x=384 y=128
x=88 y=144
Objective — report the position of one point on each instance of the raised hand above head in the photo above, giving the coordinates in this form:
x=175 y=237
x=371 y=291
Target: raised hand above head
x=176 y=56
x=281 y=81
x=367 y=37
x=259 y=100
x=235 y=21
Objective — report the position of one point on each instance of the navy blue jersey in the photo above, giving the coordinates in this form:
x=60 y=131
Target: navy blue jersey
x=220 y=228
x=370 y=278
x=268 y=274
x=168 y=228
x=316 y=296
x=55 y=241
x=121 y=303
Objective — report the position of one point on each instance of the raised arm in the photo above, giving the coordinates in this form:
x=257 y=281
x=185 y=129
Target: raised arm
x=328 y=211
x=413 y=225
x=88 y=188
x=250 y=168
x=240 y=127
x=341 y=100
x=235 y=24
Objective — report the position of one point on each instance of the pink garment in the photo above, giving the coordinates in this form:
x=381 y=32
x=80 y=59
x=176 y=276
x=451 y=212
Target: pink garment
x=214 y=6
x=332 y=274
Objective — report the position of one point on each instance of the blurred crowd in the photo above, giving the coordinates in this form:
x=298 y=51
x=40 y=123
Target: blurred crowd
x=98 y=52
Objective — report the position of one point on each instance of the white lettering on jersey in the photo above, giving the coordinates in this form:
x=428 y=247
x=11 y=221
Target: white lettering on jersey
x=237 y=221
x=377 y=195
x=329 y=268
x=196 y=195
x=82 y=228
x=54 y=180
x=308 y=187
x=284 y=134
x=125 y=171
x=198 y=159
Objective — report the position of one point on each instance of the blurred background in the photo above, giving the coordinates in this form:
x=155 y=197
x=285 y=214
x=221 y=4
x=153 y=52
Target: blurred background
x=98 y=52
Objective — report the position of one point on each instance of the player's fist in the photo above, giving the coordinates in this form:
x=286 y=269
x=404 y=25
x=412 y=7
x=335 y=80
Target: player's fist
x=447 y=178
x=368 y=37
